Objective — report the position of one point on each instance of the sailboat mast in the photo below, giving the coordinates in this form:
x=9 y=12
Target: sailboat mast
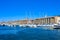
x=26 y=18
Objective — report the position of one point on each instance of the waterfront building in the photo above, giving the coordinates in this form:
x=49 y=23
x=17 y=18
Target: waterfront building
x=47 y=20
x=26 y=21
x=41 y=21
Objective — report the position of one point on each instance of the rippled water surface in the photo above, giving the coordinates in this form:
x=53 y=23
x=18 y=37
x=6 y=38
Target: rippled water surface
x=29 y=34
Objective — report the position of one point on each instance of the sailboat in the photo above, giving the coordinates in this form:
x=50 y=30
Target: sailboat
x=30 y=24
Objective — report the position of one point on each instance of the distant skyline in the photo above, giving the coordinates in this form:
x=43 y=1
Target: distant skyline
x=20 y=9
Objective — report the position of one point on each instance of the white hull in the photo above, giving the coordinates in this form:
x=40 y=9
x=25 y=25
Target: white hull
x=28 y=25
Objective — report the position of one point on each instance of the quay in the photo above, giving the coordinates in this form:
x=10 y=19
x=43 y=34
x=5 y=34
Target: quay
x=52 y=21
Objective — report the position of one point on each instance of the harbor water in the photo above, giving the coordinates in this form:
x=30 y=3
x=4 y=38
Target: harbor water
x=18 y=33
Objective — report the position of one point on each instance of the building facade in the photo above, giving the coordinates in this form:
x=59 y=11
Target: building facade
x=26 y=21
x=47 y=20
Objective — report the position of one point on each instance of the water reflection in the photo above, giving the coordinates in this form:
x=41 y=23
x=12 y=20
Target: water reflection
x=30 y=34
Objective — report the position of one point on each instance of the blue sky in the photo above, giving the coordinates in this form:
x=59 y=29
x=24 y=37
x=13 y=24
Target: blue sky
x=20 y=9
